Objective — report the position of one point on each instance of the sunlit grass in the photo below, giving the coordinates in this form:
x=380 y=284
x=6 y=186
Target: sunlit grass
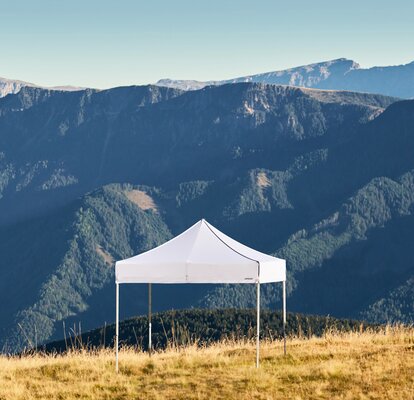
x=368 y=365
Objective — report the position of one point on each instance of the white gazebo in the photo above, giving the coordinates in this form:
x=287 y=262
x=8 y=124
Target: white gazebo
x=201 y=254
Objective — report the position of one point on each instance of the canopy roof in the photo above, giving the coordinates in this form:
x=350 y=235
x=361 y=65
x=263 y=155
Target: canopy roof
x=201 y=254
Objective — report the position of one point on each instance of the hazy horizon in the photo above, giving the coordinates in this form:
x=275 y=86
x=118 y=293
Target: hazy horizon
x=102 y=44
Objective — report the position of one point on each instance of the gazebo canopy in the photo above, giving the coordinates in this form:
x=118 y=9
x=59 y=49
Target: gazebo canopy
x=201 y=254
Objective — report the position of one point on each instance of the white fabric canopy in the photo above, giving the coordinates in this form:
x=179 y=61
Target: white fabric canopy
x=201 y=254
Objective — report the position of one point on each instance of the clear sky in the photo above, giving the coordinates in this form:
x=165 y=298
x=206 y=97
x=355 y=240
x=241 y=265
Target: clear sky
x=100 y=43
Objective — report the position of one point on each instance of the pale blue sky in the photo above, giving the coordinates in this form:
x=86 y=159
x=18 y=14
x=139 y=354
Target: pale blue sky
x=111 y=43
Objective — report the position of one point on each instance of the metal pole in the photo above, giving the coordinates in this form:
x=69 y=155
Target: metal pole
x=284 y=317
x=258 y=323
x=117 y=326
x=149 y=319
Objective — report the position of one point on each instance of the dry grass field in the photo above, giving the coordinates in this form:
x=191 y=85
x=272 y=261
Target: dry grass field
x=338 y=366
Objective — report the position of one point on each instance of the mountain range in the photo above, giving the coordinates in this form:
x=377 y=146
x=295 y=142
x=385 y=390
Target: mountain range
x=322 y=178
x=340 y=74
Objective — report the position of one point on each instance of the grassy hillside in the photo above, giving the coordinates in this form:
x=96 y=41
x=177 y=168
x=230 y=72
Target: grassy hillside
x=337 y=366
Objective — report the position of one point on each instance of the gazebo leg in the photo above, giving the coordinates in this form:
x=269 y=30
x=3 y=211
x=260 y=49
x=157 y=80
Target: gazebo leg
x=149 y=319
x=117 y=327
x=284 y=317
x=258 y=324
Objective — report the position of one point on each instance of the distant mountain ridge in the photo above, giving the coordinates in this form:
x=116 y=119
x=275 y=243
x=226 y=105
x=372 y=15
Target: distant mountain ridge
x=339 y=74
x=13 y=86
